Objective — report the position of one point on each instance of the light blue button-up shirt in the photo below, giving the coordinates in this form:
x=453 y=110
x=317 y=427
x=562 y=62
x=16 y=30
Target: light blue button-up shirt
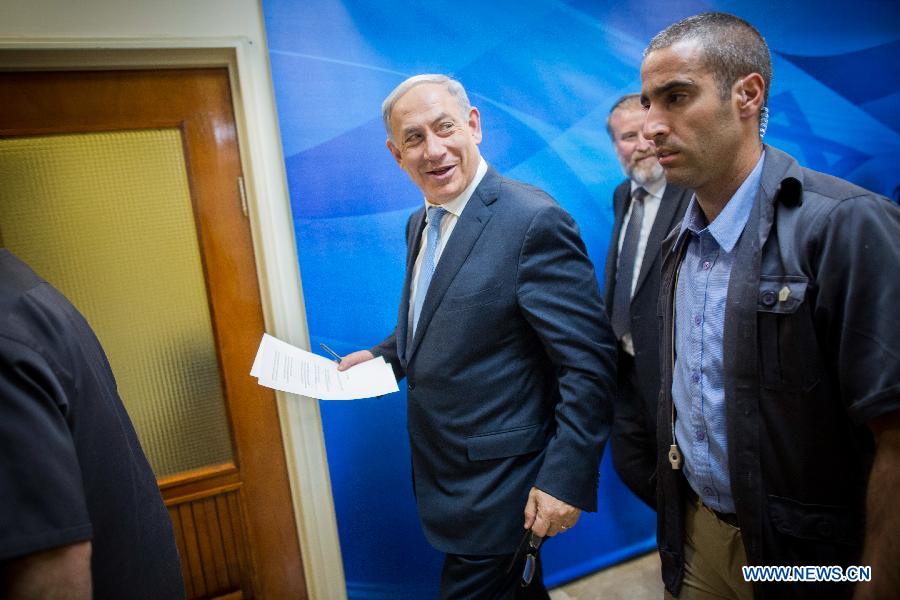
x=698 y=387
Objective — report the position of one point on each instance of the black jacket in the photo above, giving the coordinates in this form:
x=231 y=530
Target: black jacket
x=633 y=437
x=72 y=468
x=810 y=356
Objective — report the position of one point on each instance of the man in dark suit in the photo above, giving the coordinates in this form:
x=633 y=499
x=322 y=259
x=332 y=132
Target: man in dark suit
x=646 y=209
x=505 y=345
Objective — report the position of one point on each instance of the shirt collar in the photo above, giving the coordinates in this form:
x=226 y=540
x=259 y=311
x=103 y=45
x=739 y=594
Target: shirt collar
x=727 y=227
x=458 y=204
x=655 y=188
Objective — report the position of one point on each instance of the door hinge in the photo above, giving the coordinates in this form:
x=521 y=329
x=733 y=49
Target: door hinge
x=243 y=192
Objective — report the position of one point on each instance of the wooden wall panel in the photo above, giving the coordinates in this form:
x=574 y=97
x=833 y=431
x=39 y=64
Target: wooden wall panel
x=210 y=533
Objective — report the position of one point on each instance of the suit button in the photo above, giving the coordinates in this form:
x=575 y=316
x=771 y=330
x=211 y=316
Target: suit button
x=768 y=298
x=410 y=386
x=825 y=528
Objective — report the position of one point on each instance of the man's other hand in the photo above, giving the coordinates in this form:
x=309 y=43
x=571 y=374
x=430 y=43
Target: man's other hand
x=546 y=516
x=354 y=359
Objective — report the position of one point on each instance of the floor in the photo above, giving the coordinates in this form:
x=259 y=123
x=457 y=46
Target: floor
x=637 y=579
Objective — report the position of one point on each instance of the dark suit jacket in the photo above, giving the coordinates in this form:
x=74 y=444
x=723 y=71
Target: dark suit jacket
x=511 y=373
x=634 y=432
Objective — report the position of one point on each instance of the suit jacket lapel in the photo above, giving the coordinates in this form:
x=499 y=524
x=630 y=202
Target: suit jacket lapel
x=467 y=231
x=621 y=200
x=414 y=240
x=661 y=226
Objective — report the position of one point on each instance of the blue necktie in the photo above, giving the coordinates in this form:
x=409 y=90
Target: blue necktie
x=426 y=270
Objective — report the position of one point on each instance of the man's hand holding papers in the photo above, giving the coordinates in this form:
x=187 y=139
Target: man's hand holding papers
x=281 y=366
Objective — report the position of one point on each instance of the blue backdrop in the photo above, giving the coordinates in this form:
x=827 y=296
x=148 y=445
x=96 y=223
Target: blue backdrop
x=544 y=74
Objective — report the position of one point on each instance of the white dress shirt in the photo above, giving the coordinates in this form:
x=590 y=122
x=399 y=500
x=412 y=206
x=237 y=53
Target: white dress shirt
x=454 y=209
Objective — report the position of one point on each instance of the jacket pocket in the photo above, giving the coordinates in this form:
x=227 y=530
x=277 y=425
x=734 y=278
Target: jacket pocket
x=815 y=522
x=506 y=443
x=788 y=349
x=471 y=300
x=781 y=294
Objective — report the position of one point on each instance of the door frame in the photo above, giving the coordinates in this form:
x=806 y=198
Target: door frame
x=275 y=250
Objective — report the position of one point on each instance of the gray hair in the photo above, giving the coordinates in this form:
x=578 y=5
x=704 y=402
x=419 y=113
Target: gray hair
x=627 y=99
x=454 y=87
x=732 y=47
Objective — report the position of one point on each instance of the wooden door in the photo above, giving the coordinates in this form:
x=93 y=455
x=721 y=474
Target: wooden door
x=231 y=506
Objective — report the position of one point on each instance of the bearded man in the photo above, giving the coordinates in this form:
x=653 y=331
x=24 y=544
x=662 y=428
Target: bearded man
x=646 y=209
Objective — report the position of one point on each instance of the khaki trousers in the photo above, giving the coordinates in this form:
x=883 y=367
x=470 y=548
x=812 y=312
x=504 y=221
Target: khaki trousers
x=713 y=556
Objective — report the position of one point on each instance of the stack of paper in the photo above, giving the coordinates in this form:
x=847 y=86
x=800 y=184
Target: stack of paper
x=281 y=366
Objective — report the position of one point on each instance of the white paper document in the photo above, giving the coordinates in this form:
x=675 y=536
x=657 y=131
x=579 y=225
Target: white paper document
x=281 y=366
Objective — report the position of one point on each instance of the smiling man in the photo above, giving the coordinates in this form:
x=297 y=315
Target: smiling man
x=646 y=208
x=779 y=422
x=505 y=346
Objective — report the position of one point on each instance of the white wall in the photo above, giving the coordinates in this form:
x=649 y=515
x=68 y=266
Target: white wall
x=131 y=18
x=230 y=33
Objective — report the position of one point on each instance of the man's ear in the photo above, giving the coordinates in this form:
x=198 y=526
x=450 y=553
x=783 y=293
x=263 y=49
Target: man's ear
x=474 y=124
x=395 y=151
x=751 y=93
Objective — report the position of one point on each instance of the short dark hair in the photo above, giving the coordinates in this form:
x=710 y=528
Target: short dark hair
x=732 y=47
x=620 y=103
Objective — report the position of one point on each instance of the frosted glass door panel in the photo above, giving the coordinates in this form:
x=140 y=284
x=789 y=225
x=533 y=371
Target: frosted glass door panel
x=107 y=218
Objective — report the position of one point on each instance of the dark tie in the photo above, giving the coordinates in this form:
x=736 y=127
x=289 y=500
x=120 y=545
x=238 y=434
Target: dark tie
x=621 y=308
x=426 y=269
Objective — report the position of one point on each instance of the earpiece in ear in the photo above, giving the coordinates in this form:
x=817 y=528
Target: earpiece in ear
x=763 y=120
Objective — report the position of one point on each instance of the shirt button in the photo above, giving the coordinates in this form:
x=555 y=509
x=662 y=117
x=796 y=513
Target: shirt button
x=707 y=491
x=706 y=265
x=695 y=377
x=697 y=320
x=700 y=435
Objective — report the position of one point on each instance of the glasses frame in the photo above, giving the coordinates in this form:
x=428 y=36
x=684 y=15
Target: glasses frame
x=530 y=546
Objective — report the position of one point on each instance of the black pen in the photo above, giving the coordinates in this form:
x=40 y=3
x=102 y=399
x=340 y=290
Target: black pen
x=331 y=352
